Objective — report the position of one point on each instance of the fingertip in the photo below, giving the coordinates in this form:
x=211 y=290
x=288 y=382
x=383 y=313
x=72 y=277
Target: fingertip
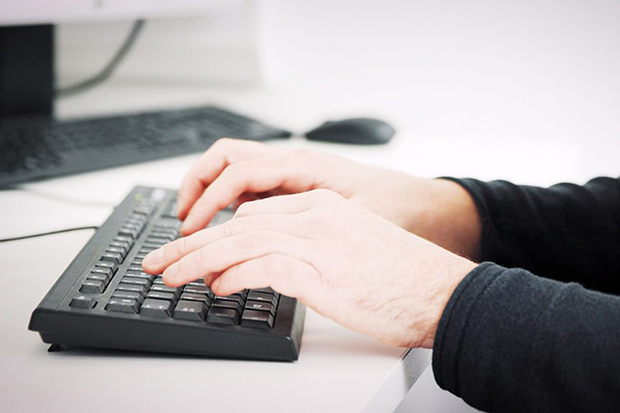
x=216 y=286
x=186 y=229
x=194 y=222
x=171 y=276
x=153 y=259
x=221 y=287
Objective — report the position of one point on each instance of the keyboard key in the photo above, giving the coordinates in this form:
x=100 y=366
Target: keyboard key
x=133 y=223
x=198 y=283
x=161 y=236
x=135 y=268
x=154 y=245
x=161 y=296
x=166 y=289
x=112 y=257
x=132 y=288
x=102 y=270
x=122 y=305
x=128 y=295
x=140 y=274
x=234 y=298
x=156 y=308
x=227 y=304
x=121 y=238
x=221 y=315
x=196 y=297
x=119 y=244
x=92 y=286
x=269 y=298
x=200 y=290
x=83 y=301
x=98 y=277
x=106 y=264
x=136 y=281
x=117 y=250
x=190 y=310
x=159 y=280
x=260 y=306
x=143 y=210
x=257 y=319
x=128 y=232
x=266 y=291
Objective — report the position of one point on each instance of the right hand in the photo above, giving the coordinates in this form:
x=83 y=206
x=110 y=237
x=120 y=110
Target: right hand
x=342 y=260
x=235 y=171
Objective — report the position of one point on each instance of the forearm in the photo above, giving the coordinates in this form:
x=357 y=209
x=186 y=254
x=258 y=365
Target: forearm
x=511 y=341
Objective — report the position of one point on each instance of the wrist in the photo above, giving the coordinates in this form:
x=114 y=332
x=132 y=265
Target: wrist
x=456 y=272
x=444 y=213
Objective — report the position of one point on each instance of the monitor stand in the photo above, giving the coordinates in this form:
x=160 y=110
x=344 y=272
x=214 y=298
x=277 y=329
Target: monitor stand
x=26 y=71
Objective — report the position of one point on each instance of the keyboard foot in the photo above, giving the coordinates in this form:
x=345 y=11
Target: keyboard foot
x=54 y=347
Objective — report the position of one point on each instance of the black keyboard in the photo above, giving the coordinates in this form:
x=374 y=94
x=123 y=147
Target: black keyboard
x=105 y=300
x=36 y=148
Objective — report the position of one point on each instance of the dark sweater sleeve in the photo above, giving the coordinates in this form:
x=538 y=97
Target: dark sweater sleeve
x=509 y=341
x=566 y=232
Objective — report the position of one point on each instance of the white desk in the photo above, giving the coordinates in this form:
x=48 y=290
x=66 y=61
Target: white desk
x=338 y=370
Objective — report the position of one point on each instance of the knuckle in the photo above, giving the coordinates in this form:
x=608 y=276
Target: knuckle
x=222 y=143
x=233 y=227
x=245 y=209
x=325 y=195
x=257 y=241
x=317 y=220
x=179 y=247
x=202 y=256
x=232 y=172
x=276 y=264
x=250 y=241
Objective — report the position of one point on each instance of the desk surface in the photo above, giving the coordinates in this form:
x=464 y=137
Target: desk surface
x=338 y=370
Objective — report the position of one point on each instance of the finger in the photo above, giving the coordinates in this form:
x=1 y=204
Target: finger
x=222 y=153
x=286 y=275
x=156 y=261
x=227 y=252
x=254 y=176
x=281 y=205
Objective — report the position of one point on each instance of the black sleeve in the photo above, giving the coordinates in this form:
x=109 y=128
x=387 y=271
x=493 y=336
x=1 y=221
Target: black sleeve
x=566 y=232
x=509 y=341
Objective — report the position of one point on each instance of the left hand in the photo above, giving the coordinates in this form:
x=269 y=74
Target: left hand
x=343 y=261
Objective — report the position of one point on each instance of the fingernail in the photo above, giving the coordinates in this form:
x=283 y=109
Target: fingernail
x=154 y=257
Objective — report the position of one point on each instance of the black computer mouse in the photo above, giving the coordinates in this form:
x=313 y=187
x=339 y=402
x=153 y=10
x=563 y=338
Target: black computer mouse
x=359 y=131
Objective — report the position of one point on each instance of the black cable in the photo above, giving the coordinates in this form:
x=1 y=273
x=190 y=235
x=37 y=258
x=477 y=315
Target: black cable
x=107 y=71
x=60 y=231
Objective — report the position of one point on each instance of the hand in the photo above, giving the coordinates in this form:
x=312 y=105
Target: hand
x=343 y=261
x=237 y=171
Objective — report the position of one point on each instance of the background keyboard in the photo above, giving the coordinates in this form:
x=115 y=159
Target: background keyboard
x=36 y=148
x=104 y=299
